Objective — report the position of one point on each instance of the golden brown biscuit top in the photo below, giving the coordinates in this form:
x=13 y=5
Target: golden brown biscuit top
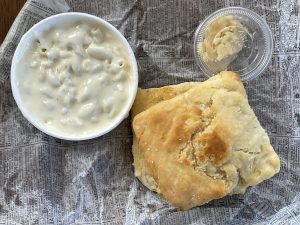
x=192 y=147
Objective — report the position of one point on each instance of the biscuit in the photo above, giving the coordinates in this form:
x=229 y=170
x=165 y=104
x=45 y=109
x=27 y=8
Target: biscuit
x=195 y=142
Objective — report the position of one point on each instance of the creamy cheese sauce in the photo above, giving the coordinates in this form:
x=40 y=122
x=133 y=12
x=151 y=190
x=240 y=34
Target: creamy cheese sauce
x=75 y=78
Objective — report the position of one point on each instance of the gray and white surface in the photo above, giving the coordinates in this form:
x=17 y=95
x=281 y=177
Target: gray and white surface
x=44 y=180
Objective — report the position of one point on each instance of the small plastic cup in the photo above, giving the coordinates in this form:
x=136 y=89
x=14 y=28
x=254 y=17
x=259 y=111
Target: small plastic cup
x=257 y=50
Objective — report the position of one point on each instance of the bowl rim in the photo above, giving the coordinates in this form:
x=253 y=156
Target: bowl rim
x=266 y=59
x=22 y=106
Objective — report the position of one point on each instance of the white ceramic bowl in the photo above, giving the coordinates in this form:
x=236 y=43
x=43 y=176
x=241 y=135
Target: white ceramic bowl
x=52 y=22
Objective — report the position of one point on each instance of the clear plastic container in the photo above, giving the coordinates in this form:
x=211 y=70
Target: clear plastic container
x=257 y=49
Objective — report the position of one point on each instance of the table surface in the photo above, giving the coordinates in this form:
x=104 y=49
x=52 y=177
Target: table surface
x=9 y=9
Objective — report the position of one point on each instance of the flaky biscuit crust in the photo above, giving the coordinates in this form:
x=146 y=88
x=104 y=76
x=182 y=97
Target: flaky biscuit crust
x=195 y=142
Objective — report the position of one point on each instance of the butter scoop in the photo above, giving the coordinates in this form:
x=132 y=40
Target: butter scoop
x=235 y=39
x=224 y=39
